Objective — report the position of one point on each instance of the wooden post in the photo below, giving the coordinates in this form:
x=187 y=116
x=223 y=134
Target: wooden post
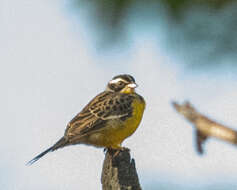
x=119 y=171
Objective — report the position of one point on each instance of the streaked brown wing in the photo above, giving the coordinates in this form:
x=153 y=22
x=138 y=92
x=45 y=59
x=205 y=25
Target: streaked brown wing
x=105 y=106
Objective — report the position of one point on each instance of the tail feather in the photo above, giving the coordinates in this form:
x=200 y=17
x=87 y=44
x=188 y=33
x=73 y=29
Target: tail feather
x=61 y=143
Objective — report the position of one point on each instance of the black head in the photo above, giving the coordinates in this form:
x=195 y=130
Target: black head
x=122 y=83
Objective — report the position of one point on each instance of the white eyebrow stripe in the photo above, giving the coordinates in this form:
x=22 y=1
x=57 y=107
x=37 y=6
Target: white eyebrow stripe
x=117 y=80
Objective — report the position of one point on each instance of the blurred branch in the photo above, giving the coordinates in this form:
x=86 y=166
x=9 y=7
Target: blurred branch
x=119 y=171
x=204 y=126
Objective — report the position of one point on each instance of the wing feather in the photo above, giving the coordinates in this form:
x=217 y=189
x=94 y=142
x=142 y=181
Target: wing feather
x=104 y=107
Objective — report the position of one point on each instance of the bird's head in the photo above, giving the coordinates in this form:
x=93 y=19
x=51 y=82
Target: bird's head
x=122 y=83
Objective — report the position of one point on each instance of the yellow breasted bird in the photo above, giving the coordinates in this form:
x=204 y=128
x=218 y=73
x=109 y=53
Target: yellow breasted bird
x=107 y=119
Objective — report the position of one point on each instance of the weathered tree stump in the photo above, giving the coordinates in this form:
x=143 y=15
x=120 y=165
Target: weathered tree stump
x=119 y=171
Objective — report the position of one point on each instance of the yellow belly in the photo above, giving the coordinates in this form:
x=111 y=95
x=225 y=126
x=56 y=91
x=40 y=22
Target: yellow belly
x=117 y=130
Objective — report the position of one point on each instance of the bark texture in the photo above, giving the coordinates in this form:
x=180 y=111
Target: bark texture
x=119 y=171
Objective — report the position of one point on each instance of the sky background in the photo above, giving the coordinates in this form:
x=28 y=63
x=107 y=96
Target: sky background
x=50 y=69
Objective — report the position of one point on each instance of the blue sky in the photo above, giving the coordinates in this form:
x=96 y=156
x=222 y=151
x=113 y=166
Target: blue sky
x=50 y=71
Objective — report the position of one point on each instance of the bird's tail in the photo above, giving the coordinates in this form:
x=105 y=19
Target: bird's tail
x=61 y=143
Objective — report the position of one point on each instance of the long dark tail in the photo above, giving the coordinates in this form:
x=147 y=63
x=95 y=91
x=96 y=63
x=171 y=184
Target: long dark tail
x=61 y=143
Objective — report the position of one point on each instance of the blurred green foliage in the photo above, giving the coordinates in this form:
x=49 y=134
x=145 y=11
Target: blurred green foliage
x=205 y=29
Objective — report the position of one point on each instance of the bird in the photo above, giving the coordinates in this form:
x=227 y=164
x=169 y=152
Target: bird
x=107 y=120
x=205 y=127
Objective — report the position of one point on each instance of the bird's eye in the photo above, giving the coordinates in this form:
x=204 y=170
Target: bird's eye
x=120 y=83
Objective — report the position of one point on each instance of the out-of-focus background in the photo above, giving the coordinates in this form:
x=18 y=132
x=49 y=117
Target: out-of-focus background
x=57 y=55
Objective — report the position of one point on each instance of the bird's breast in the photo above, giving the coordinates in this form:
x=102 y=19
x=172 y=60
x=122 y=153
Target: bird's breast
x=130 y=125
x=117 y=130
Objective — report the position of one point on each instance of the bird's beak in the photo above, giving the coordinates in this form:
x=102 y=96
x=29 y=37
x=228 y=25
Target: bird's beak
x=132 y=85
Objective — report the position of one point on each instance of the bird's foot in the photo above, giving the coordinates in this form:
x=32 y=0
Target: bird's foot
x=115 y=151
x=125 y=149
